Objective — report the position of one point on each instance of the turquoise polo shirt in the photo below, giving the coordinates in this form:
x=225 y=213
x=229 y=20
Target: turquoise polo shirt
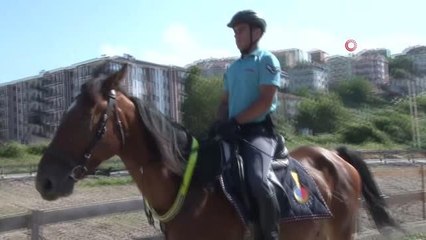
x=243 y=78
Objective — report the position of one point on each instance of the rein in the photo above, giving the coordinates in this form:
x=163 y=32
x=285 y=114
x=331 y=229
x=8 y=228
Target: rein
x=183 y=189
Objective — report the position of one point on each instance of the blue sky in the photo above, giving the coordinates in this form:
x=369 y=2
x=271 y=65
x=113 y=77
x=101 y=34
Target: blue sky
x=40 y=35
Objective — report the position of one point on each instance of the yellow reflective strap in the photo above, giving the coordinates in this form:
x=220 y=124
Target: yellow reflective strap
x=189 y=171
x=183 y=189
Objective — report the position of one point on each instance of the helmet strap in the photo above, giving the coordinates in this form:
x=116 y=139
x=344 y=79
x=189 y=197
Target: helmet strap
x=252 y=44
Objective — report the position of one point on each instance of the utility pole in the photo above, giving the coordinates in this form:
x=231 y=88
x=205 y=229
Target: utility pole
x=413 y=112
x=416 y=117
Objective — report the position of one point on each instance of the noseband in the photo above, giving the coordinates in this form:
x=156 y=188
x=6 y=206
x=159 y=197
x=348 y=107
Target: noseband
x=79 y=171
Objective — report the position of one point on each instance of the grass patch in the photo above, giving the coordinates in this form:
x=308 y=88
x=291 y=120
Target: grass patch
x=19 y=158
x=333 y=141
x=26 y=159
x=27 y=163
x=105 y=181
x=114 y=163
x=420 y=236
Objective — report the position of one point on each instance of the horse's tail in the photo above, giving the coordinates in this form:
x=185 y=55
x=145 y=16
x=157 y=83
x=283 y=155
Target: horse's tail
x=376 y=204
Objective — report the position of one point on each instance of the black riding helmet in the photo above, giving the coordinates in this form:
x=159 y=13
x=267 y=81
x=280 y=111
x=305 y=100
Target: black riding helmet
x=250 y=17
x=253 y=20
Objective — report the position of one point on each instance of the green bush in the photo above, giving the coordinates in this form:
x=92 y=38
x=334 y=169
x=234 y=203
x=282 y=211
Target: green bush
x=396 y=125
x=12 y=150
x=37 y=149
x=362 y=133
x=325 y=114
x=326 y=139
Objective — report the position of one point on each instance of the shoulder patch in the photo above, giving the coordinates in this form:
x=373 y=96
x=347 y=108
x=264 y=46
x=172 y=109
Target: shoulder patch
x=272 y=69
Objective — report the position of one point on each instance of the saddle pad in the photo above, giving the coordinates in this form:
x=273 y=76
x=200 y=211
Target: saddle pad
x=297 y=193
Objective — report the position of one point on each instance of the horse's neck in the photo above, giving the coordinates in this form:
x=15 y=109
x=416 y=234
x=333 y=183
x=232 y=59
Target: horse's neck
x=156 y=183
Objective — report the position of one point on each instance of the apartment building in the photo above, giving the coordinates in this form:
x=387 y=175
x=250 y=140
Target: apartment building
x=318 y=56
x=213 y=67
x=339 y=68
x=375 y=68
x=311 y=76
x=31 y=108
x=289 y=58
x=4 y=133
x=418 y=55
x=15 y=108
x=377 y=51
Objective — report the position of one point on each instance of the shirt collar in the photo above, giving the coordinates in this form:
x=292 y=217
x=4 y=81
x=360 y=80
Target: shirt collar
x=254 y=53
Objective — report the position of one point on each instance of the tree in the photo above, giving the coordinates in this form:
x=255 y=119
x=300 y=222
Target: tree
x=400 y=67
x=421 y=104
x=201 y=101
x=355 y=92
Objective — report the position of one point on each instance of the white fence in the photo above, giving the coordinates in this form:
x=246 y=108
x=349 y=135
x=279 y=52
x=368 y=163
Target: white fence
x=36 y=219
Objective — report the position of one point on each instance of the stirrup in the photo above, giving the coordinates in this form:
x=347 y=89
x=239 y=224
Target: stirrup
x=281 y=151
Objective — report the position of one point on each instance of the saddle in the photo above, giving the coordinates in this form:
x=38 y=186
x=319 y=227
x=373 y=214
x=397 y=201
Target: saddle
x=297 y=193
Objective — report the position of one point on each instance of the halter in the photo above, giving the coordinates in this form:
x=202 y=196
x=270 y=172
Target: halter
x=79 y=171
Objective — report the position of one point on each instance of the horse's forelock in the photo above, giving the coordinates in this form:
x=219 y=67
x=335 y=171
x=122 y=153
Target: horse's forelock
x=92 y=88
x=104 y=78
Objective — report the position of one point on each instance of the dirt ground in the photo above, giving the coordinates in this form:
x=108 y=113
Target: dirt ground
x=20 y=196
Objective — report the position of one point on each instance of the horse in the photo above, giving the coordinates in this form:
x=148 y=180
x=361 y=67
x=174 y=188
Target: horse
x=104 y=121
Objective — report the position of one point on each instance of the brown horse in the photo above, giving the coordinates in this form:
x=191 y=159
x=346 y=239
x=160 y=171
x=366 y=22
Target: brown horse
x=104 y=121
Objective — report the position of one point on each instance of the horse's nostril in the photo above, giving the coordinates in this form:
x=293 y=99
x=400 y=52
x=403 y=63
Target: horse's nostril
x=47 y=185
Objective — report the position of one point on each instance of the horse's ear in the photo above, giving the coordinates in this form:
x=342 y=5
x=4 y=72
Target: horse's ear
x=113 y=81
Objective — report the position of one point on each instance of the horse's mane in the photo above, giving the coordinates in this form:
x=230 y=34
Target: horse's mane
x=172 y=139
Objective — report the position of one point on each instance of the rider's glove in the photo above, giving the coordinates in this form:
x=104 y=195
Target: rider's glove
x=229 y=130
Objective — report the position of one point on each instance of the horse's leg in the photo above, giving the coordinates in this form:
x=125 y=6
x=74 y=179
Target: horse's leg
x=213 y=219
x=345 y=206
x=343 y=227
x=205 y=230
x=303 y=230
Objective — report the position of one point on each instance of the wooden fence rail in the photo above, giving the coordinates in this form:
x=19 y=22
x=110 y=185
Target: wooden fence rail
x=409 y=155
x=36 y=219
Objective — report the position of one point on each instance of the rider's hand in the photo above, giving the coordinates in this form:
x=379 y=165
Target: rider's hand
x=213 y=129
x=229 y=130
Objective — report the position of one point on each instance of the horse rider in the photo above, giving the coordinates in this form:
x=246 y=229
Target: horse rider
x=250 y=95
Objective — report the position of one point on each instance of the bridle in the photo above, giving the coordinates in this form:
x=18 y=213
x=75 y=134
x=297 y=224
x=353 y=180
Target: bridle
x=79 y=171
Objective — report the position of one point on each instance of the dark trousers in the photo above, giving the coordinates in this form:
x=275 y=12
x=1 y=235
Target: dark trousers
x=257 y=166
